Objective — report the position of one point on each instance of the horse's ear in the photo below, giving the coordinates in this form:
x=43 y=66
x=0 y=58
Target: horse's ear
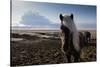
x=61 y=17
x=72 y=17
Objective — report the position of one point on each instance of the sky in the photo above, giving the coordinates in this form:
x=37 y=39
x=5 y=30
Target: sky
x=39 y=15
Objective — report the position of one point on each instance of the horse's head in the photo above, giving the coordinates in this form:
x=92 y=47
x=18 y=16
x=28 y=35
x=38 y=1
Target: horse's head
x=67 y=21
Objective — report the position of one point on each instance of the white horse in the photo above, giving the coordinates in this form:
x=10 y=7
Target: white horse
x=70 y=38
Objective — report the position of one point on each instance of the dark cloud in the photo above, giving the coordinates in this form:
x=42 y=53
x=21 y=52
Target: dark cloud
x=37 y=20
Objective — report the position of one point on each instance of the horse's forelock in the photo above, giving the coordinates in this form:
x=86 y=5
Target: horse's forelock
x=67 y=21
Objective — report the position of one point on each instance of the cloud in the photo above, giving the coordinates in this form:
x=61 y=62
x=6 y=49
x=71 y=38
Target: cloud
x=36 y=20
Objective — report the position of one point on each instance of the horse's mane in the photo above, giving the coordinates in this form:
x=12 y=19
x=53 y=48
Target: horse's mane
x=69 y=23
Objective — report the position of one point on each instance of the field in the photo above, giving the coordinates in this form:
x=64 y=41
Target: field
x=32 y=47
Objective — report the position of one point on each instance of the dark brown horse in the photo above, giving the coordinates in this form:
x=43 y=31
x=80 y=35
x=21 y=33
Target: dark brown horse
x=87 y=37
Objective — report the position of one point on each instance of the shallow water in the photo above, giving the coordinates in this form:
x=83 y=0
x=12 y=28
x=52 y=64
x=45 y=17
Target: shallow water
x=16 y=39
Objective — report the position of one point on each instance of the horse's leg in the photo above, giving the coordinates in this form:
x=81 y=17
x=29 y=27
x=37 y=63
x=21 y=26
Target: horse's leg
x=76 y=56
x=68 y=58
x=67 y=52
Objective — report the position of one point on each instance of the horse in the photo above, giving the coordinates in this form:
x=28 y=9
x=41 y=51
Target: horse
x=87 y=37
x=71 y=43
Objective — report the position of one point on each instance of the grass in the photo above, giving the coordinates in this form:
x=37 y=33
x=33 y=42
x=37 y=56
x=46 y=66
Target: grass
x=88 y=53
